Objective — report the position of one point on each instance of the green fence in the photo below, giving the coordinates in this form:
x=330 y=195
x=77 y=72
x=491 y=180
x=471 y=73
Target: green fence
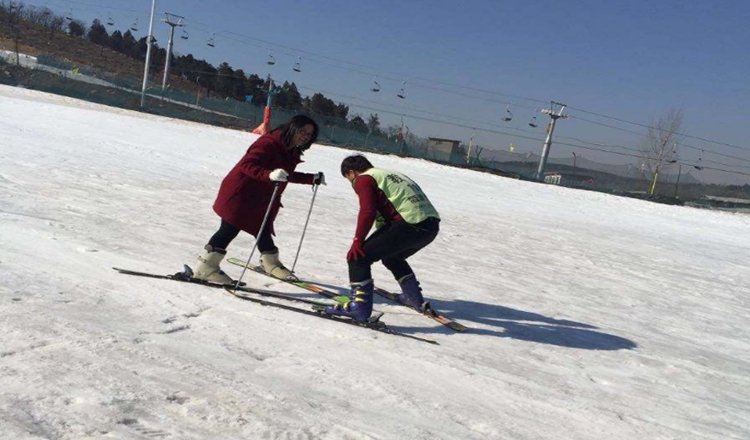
x=49 y=74
x=61 y=77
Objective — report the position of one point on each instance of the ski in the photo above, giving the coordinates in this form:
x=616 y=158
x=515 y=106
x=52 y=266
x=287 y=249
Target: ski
x=373 y=324
x=303 y=284
x=317 y=308
x=428 y=310
x=186 y=276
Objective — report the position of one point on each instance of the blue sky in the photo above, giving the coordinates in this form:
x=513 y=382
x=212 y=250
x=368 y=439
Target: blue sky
x=465 y=61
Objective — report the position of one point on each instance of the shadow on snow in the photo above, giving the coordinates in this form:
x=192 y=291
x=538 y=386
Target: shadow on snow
x=511 y=323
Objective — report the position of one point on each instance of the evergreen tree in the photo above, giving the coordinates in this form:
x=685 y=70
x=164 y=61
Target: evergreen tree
x=98 y=33
x=77 y=28
x=373 y=123
x=358 y=123
x=115 y=41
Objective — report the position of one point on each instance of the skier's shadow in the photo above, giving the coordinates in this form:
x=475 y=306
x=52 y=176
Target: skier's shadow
x=528 y=326
x=513 y=323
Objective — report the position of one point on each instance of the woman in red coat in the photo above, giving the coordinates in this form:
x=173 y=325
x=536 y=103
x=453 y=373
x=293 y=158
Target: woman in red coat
x=245 y=195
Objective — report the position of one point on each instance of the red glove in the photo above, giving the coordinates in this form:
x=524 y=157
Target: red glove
x=355 y=252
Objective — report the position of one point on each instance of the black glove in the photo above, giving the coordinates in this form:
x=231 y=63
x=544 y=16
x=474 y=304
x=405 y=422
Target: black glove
x=319 y=179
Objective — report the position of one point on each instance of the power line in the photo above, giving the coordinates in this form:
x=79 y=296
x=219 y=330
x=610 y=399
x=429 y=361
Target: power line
x=369 y=70
x=692 y=147
x=658 y=129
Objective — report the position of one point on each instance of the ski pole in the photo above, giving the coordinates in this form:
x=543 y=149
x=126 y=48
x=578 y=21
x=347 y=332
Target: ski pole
x=315 y=192
x=262 y=228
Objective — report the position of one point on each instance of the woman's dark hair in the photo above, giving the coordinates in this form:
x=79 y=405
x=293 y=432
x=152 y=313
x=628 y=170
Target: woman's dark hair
x=292 y=126
x=356 y=163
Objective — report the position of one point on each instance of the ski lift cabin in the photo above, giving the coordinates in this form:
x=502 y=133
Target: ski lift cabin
x=402 y=93
x=532 y=122
x=508 y=114
x=375 y=86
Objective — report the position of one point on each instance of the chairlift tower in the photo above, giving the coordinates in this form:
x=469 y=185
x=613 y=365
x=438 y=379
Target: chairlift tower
x=169 y=20
x=148 y=54
x=550 y=129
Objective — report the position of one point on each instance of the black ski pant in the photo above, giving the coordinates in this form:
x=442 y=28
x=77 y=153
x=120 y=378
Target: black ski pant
x=227 y=233
x=393 y=243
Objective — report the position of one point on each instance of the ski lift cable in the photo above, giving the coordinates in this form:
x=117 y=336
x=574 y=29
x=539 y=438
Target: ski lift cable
x=416 y=84
x=314 y=58
x=635 y=153
x=682 y=145
x=100 y=7
x=370 y=69
x=483 y=91
x=400 y=111
x=639 y=151
x=648 y=126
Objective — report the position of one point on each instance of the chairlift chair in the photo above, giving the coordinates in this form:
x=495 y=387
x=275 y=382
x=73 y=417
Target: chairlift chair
x=110 y=21
x=402 y=93
x=699 y=163
x=375 y=86
x=184 y=35
x=69 y=17
x=134 y=27
x=508 y=114
x=297 y=67
x=271 y=60
x=210 y=41
x=532 y=122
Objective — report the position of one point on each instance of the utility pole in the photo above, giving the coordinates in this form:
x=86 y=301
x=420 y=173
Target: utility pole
x=468 y=151
x=550 y=129
x=172 y=24
x=148 y=54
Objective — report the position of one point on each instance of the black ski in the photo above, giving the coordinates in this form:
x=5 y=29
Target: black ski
x=186 y=276
x=427 y=309
x=317 y=307
x=377 y=325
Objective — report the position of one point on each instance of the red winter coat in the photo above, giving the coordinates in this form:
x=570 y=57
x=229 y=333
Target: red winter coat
x=246 y=191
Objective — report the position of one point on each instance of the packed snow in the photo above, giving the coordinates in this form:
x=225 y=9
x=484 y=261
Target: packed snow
x=591 y=316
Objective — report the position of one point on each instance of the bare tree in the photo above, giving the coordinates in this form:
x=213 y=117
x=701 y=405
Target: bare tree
x=659 y=150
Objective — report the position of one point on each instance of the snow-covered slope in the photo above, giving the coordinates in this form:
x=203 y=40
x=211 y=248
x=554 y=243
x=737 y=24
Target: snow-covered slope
x=591 y=316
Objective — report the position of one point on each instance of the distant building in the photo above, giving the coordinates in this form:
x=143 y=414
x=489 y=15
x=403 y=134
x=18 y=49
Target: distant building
x=444 y=150
x=568 y=178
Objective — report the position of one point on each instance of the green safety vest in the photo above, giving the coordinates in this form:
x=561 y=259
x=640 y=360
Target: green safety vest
x=404 y=194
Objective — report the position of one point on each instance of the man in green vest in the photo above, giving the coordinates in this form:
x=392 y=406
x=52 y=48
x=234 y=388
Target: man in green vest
x=406 y=222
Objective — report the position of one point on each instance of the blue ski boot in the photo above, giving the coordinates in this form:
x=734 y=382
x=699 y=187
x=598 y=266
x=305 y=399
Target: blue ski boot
x=411 y=293
x=359 y=306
